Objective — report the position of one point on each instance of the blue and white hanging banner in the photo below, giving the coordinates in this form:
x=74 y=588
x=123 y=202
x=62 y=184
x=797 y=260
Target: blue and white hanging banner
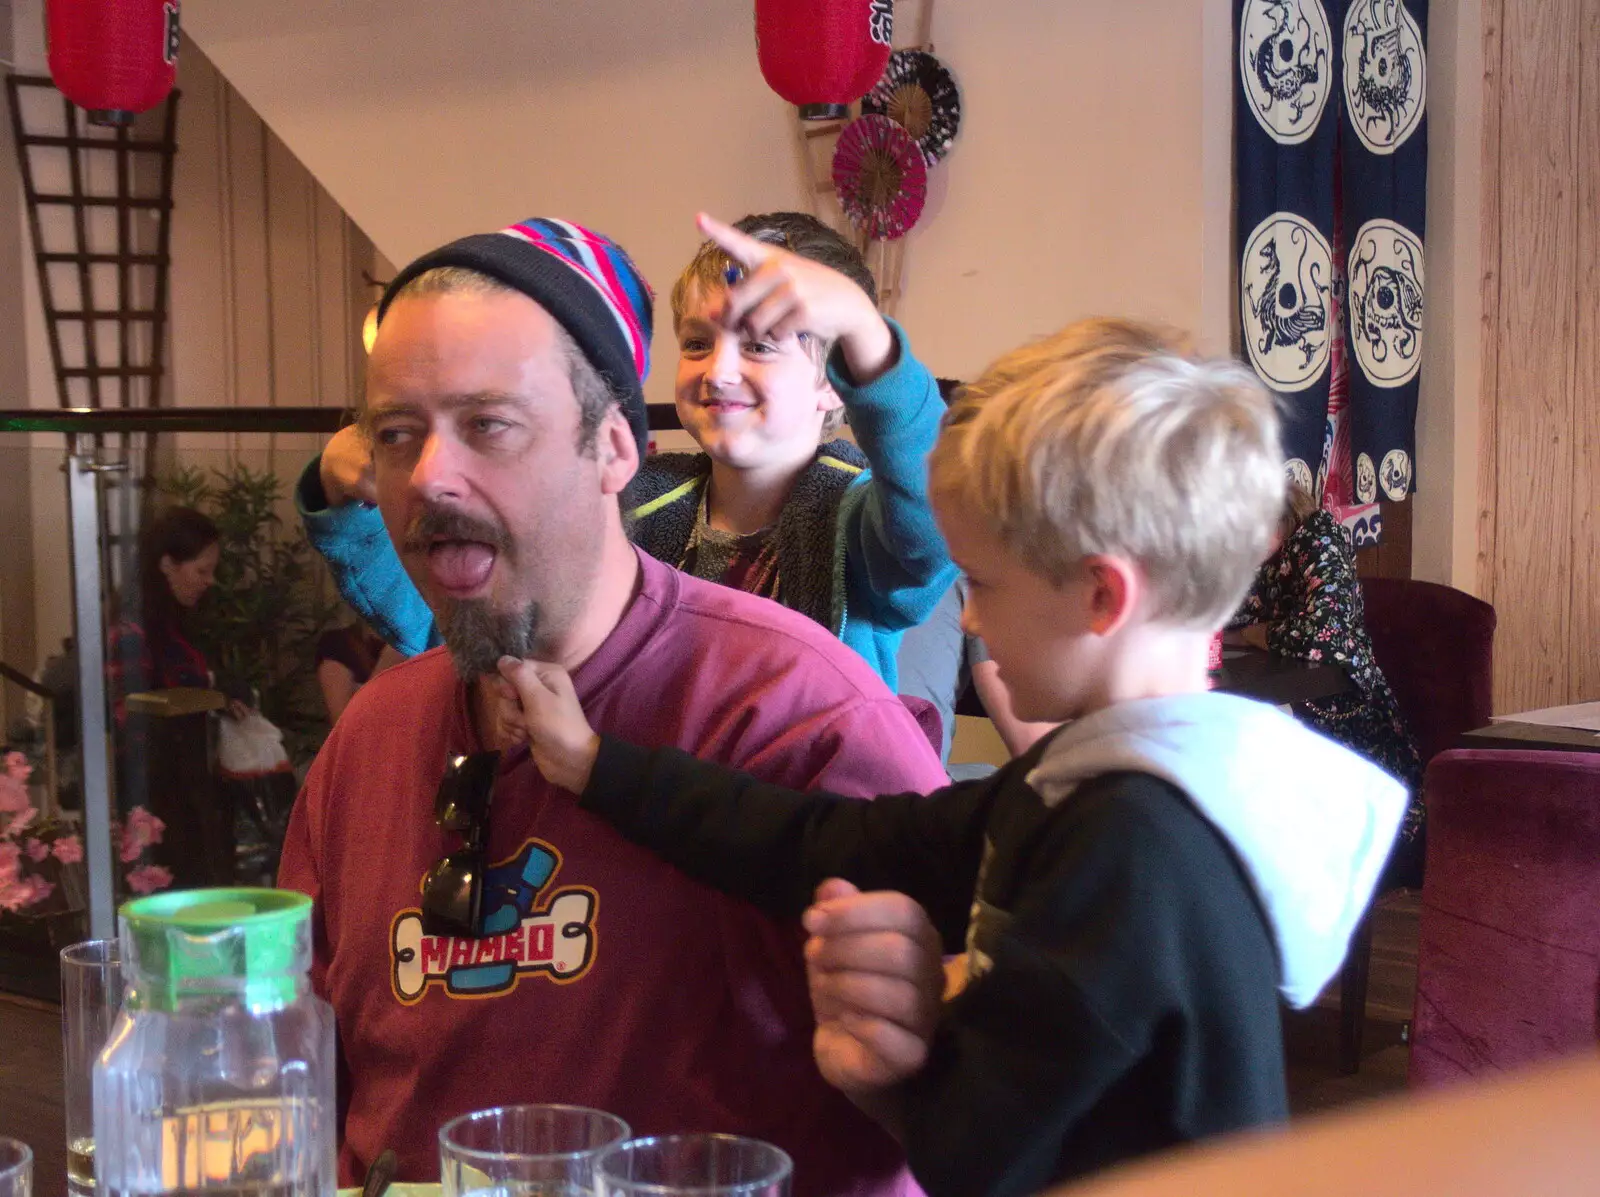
x=1384 y=161
x=1286 y=133
x=1326 y=88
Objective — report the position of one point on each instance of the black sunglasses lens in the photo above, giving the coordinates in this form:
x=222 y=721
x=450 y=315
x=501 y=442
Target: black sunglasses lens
x=452 y=895
x=463 y=799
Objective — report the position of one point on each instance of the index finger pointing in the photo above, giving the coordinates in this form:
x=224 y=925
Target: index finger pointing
x=741 y=247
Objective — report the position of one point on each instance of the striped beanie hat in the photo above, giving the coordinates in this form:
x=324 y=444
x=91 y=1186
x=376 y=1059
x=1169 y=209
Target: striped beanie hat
x=585 y=280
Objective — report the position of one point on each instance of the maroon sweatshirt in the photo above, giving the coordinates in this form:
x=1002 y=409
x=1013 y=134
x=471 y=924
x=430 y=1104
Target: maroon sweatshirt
x=613 y=981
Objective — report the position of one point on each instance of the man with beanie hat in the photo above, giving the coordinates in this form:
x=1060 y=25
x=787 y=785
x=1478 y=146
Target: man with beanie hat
x=482 y=941
x=585 y=281
x=779 y=338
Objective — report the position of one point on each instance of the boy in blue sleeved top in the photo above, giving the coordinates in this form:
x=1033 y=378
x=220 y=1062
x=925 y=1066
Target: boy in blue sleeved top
x=779 y=337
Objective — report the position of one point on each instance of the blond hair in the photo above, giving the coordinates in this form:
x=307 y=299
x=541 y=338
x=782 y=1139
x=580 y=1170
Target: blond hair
x=799 y=233
x=1110 y=437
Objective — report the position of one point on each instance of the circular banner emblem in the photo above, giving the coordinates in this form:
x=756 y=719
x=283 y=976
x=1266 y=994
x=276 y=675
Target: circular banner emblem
x=1284 y=280
x=1394 y=475
x=1385 y=288
x=1284 y=65
x=1385 y=73
x=1299 y=474
x=1366 y=479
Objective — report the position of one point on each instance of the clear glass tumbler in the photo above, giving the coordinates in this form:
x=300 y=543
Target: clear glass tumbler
x=704 y=1165
x=16 y=1169
x=525 y=1151
x=91 y=999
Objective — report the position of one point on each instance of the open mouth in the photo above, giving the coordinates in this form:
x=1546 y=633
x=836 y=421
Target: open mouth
x=460 y=568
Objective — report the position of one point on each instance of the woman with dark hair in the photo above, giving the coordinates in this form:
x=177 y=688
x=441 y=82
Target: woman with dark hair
x=178 y=553
x=163 y=764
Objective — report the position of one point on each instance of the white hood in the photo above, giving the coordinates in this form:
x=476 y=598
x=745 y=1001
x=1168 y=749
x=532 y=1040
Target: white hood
x=1311 y=821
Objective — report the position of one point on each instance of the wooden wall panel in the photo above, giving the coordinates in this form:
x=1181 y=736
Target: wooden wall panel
x=336 y=279
x=267 y=293
x=266 y=266
x=1583 y=658
x=201 y=297
x=1537 y=209
x=292 y=321
x=244 y=207
x=1391 y=557
x=17 y=541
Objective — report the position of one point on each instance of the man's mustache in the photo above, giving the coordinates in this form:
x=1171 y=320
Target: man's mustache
x=438 y=522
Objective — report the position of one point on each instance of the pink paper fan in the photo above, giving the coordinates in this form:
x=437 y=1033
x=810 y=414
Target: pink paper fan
x=881 y=178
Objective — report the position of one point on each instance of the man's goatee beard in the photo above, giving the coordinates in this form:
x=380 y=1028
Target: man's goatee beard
x=477 y=635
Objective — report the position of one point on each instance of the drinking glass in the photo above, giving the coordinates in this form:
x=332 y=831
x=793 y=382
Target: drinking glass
x=16 y=1169
x=525 y=1151
x=704 y=1165
x=91 y=998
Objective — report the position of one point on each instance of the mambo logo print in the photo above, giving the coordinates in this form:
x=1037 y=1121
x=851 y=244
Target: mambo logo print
x=523 y=934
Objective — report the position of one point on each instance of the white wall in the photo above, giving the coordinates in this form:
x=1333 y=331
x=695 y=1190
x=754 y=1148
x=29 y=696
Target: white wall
x=1078 y=185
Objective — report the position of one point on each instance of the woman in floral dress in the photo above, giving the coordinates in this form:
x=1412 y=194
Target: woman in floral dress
x=1306 y=603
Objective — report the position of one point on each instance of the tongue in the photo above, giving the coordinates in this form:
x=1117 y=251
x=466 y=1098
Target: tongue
x=461 y=564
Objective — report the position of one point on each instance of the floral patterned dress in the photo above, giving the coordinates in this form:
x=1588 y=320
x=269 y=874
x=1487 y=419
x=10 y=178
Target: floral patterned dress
x=1309 y=597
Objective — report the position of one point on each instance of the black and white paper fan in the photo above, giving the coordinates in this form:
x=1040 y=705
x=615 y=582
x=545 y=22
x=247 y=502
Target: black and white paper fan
x=919 y=94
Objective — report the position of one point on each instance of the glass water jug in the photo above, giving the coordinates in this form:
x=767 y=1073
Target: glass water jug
x=218 y=1078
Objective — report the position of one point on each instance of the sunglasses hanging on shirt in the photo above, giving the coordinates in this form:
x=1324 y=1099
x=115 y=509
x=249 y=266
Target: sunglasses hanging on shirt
x=452 y=892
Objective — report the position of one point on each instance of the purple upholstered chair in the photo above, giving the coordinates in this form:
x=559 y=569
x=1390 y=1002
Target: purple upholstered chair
x=1508 y=967
x=1435 y=645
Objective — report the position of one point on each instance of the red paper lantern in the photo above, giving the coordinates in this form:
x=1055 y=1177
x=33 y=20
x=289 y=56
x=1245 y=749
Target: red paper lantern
x=114 y=58
x=823 y=55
